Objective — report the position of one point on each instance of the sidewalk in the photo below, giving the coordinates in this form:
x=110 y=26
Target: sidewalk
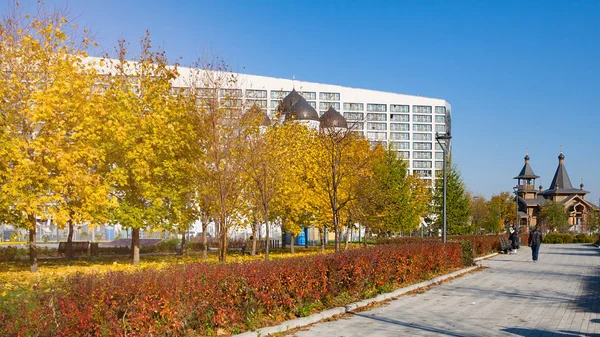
x=559 y=296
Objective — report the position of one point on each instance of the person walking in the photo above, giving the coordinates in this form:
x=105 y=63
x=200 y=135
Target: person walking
x=535 y=241
x=514 y=240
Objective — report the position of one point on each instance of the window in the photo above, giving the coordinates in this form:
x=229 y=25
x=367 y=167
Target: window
x=309 y=96
x=354 y=107
x=377 y=126
x=356 y=125
x=421 y=118
x=399 y=127
x=441 y=128
x=422 y=136
x=354 y=116
x=421 y=164
x=274 y=104
x=207 y=92
x=438 y=147
x=439 y=155
x=404 y=154
x=400 y=135
x=422 y=127
x=313 y=104
x=372 y=135
x=262 y=103
x=278 y=94
x=440 y=110
x=423 y=173
x=400 y=145
x=377 y=117
x=230 y=93
x=232 y=103
x=399 y=118
x=421 y=146
x=326 y=105
x=440 y=119
x=399 y=108
x=421 y=109
x=251 y=93
x=439 y=165
x=329 y=96
x=377 y=107
x=360 y=133
x=378 y=142
x=421 y=155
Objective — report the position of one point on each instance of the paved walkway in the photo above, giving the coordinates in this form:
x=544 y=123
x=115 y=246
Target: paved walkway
x=559 y=296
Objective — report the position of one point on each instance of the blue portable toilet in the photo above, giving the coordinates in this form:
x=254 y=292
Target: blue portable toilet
x=300 y=240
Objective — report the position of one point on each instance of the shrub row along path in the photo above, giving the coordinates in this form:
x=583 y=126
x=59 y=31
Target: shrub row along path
x=558 y=296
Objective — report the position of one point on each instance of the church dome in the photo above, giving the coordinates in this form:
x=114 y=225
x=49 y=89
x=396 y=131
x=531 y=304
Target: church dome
x=561 y=156
x=333 y=119
x=289 y=101
x=303 y=111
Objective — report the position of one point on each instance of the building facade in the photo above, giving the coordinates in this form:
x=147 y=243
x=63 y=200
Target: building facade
x=406 y=123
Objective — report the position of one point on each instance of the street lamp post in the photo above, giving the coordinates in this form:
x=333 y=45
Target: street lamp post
x=516 y=190
x=446 y=139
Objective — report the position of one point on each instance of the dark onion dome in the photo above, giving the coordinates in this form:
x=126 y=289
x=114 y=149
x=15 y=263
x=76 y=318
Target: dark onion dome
x=561 y=156
x=332 y=119
x=289 y=101
x=527 y=157
x=302 y=111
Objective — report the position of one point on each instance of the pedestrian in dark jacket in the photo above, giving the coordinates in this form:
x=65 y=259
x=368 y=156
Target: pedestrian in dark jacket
x=514 y=240
x=535 y=241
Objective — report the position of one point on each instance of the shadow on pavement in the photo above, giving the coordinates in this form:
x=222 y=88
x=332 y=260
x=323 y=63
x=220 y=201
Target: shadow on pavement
x=414 y=326
x=590 y=296
x=537 y=332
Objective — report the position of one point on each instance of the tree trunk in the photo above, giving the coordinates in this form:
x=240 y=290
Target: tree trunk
x=254 y=230
x=135 y=246
x=267 y=241
x=365 y=237
x=347 y=236
x=323 y=233
x=222 y=241
x=182 y=249
x=69 y=247
x=33 y=249
x=336 y=228
x=292 y=243
x=282 y=238
x=204 y=237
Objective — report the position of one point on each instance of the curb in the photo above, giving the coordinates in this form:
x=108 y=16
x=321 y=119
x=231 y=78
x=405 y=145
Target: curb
x=314 y=318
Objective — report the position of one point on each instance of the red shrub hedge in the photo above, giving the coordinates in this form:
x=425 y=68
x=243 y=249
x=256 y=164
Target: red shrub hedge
x=202 y=298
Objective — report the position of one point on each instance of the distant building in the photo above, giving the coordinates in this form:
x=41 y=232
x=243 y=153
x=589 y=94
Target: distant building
x=530 y=199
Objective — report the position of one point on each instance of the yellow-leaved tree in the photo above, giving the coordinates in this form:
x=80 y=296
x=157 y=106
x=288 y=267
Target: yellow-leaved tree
x=342 y=160
x=140 y=136
x=46 y=103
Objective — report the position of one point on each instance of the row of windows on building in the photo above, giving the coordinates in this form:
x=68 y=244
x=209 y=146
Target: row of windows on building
x=371 y=126
x=331 y=98
x=378 y=117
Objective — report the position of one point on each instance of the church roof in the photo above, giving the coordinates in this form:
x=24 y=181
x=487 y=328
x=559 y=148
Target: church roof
x=288 y=101
x=561 y=182
x=303 y=111
x=526 y=171
x=333 y=119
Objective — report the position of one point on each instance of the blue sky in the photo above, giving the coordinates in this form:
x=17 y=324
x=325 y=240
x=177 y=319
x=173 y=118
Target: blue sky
x=519 y=74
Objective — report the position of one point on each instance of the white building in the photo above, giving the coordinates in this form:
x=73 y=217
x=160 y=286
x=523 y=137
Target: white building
x=406 y=123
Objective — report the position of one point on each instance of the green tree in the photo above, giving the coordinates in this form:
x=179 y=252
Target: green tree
x=502 y=210
x=553 y=217
x=480 y=212
x=457 y=202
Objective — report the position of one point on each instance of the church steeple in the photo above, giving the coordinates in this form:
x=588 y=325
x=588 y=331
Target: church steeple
x=561 y=179
x=526 y=178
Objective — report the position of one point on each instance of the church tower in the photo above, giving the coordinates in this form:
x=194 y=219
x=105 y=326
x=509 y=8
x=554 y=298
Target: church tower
x=526 y=181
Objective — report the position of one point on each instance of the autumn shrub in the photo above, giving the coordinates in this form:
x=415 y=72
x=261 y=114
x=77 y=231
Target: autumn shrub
x=555 y=237
x=205 y=298
x=8 y=253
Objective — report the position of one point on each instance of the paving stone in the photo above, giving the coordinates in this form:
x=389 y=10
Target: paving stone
x=558 y=296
